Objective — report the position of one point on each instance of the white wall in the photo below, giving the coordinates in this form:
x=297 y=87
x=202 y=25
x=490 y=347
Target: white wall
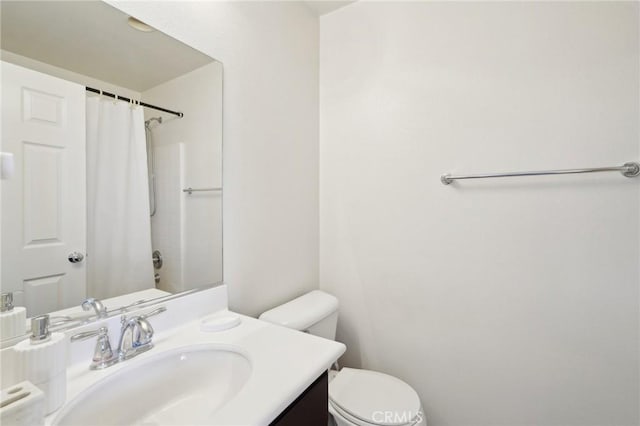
x=503 y=302
x=187 y=229
x=270 y=56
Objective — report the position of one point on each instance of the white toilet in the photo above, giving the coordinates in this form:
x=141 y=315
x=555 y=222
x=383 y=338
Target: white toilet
x=356 y=397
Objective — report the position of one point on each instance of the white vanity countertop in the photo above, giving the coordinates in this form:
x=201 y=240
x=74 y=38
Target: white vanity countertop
x=284 y=363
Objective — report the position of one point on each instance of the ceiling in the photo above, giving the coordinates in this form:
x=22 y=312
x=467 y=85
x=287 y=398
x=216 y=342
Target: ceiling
x=94 y=39
x=324 y=7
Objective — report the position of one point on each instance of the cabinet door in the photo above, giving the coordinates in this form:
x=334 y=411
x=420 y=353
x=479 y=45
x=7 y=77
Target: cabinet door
x=309 y=409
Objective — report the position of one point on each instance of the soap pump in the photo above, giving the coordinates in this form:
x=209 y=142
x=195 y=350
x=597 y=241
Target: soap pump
x=40 y=330
x=12 y=319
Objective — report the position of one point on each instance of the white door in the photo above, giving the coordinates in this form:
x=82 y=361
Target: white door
x=44 y=201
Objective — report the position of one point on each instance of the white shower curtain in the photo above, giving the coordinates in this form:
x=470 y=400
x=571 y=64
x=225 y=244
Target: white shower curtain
x=118 y=223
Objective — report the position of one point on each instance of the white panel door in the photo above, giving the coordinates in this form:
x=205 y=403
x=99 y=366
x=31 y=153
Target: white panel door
x=44 y=201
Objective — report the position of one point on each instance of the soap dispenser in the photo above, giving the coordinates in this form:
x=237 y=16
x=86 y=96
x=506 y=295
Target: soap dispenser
x=42 y=360
x=12 y=319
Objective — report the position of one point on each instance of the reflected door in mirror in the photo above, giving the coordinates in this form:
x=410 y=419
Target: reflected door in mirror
x=43 y=121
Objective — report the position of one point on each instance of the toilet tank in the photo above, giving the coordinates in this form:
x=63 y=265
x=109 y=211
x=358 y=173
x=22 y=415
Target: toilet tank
x=315 y=312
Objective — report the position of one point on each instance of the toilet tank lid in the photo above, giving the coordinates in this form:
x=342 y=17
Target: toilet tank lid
x=303 y=312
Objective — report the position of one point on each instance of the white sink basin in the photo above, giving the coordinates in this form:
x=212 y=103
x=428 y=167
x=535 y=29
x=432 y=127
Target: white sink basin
x=184 y=386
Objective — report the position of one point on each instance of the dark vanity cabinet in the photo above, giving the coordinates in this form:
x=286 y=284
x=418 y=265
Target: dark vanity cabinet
x=310 y=408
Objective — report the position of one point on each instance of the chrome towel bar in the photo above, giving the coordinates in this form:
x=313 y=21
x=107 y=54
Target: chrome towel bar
x=192 y=190
x=631 y=169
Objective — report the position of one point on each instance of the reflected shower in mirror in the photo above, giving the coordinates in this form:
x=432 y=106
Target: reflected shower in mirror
x=114 y=134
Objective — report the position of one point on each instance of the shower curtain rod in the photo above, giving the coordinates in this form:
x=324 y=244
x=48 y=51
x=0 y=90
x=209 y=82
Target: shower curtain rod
x=144 y=104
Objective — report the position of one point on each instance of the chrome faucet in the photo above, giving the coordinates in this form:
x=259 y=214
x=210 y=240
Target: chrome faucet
x=98 y=307
x=135 y=338
x=136 y=335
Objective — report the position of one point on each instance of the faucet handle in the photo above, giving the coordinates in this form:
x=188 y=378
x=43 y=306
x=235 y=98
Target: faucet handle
x=145 y=332
x=103 y=356
x=136 y=334
x=145 y=329
x=89 y=334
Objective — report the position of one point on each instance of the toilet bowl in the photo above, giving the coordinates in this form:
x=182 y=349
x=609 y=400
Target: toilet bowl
x=364 y=398
x=356 y=397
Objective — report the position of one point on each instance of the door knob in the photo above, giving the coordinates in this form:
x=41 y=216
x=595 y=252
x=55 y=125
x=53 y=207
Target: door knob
x=75 y=257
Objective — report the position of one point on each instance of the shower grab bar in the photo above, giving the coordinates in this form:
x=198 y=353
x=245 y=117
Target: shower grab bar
x=631 y=169
x=192 y=190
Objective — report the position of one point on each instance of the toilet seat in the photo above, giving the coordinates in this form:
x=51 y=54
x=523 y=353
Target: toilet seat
x=367 y=398
x=335 y=410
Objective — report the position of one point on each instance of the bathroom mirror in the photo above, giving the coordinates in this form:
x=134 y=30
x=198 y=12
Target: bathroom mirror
x=112 y=160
